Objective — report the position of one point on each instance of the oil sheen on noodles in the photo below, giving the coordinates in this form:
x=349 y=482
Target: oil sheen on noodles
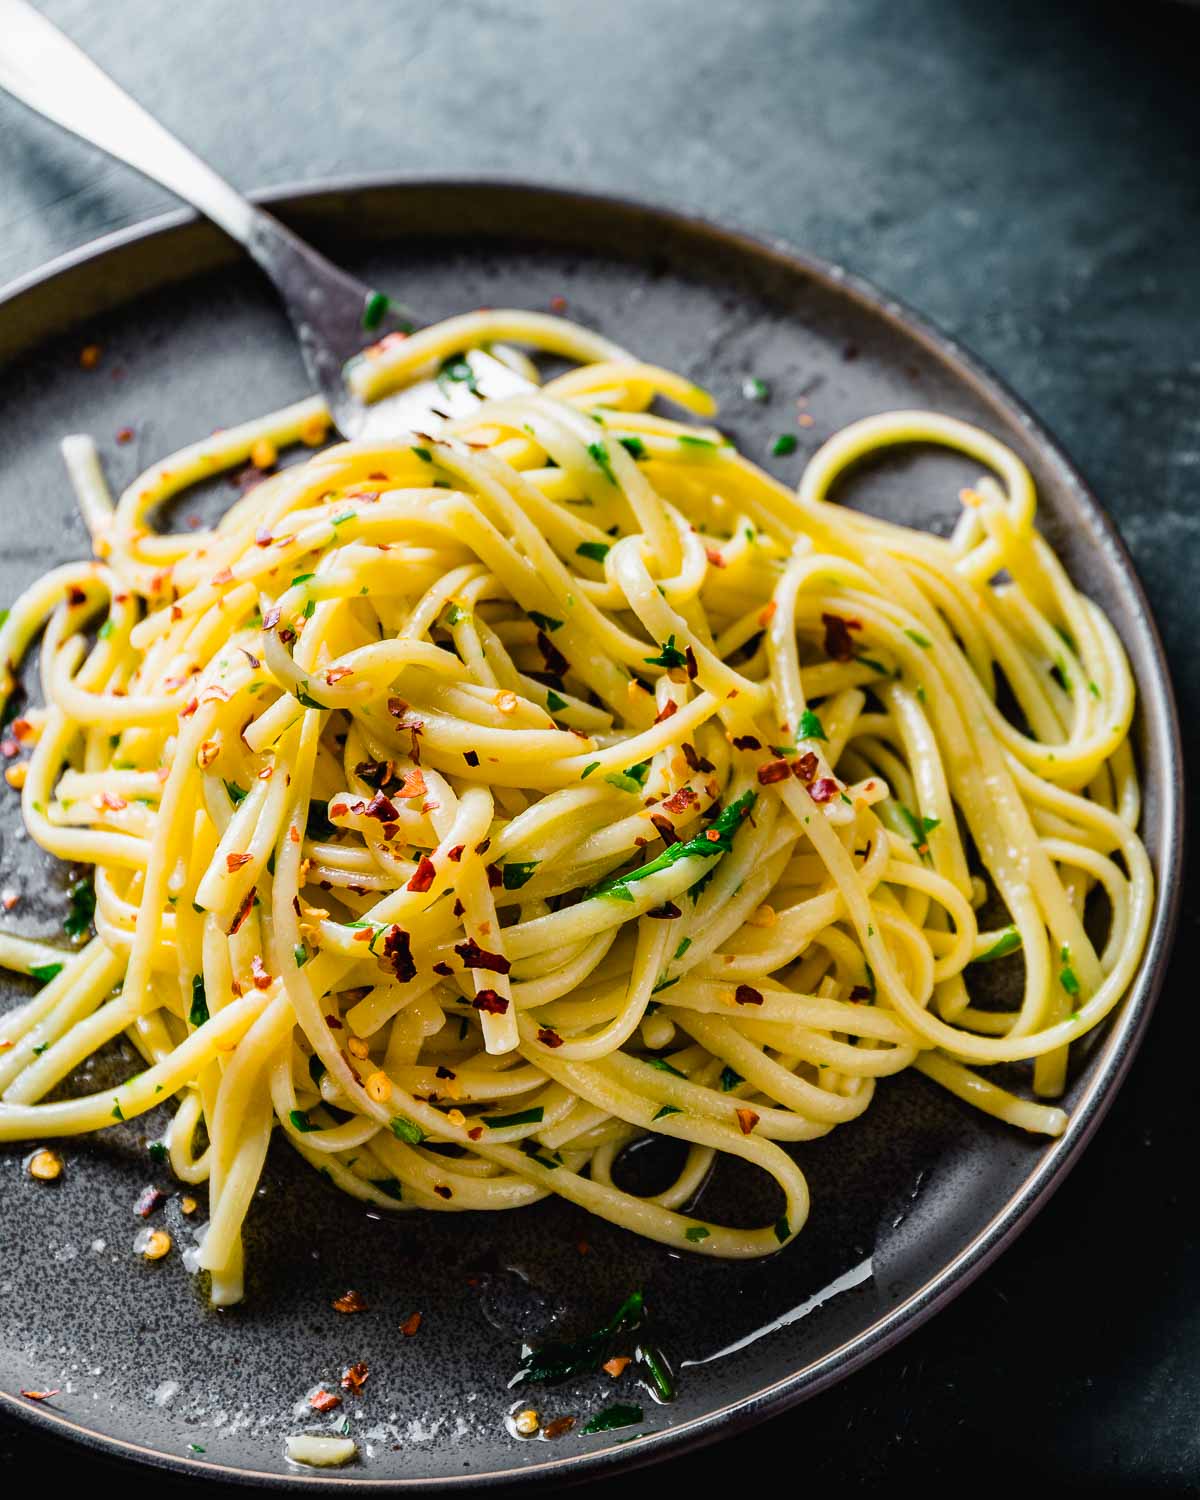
x=468 y=809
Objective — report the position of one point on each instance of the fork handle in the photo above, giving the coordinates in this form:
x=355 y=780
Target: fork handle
x=47 y=71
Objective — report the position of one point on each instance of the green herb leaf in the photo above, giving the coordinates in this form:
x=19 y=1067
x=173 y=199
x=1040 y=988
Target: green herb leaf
x=301 y=1122
x=374 y=307
x=106 y=629
x=598 y=452
x=613 y=1417
x=316 y=1069
x=303 y=696
x=562 y=1359
x=116 y=1110
x=811 y=727
x=44 y=973
x=198 y=1013
x=237 y=794
x=918 y=639
x=406 y=1130
x=544 y=622
x=784 y=444
x=457 y=371
x=696 y=1233
x=755 y=389
x=554 y=704
x=725 y=825
x=670 y=656
x=1067 y=976
x=158 y=1151
x=782 y=1229
x=667 y=1109
x=663 y=1066
x=522 y=1117
x=517 y=873
x=301 y=954
x=597 y=551
x=633 y=446
x=683 y=947
x=698 y=444
x=1008 y=942
x=82 y=909
x=730 y=1079
x=588 y=769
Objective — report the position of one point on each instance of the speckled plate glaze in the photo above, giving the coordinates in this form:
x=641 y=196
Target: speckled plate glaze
x=908 y=1204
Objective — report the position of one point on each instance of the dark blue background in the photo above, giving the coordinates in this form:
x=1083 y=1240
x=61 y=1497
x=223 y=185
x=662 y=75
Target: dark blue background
x=1028 y=174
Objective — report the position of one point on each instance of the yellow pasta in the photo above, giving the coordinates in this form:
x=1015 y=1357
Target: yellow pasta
x=558 y=780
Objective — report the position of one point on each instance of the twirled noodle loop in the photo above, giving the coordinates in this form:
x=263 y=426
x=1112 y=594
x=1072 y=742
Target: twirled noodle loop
x=470 y=808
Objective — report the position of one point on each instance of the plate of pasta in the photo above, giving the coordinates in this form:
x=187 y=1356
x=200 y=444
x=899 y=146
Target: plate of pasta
x=531 y=942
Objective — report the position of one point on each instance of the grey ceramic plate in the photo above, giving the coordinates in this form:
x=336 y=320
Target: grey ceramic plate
x=908 y=1204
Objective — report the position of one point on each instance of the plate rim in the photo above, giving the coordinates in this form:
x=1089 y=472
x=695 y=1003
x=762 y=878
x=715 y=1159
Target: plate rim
x=1126 y=1031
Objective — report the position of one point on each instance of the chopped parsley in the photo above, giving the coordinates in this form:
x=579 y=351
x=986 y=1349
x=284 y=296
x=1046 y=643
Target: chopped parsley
x=301 y=1122
x=374 y=307
x=598 y=453
x=82 y=909
x=457 y=371
x=633 y=779
x=522 y=1117
x=702 y=846
x=237 y=794
x=663 y=1066
x=305 y=697
x=633 y=446
x=44 y=973
x=670 y=656
x=730 y=1079
x=667 y=1109
x=1067 y=976
x=596 y=551
x=784 y=444
x=918 y=639
x=811 y=727
x=406 y=1130
x=1008 y=942
x=588 y=769
x=564 y=1359
x=755 y=389
x=517 y=873
x=696 y=1233
x=613 y=1417
x=544 y=622
x=198 y=1013
x=683 y=947
x=554 y=703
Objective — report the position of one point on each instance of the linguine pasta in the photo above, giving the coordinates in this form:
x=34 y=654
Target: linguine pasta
x=466 y=809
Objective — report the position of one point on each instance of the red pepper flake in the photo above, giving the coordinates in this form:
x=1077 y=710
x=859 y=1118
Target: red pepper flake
x=324 y=1401
x=838 y=644
x=410 y=1325
x=558 y=1427
x=556 y=663
x=695 y=762
x=224 y=576
x=455 y=854
x=124 y=435
x=262 y=980
x=214 y=693
x=8 y=900
x=804 y=767
x=271 y=618
x=859 y=993
x=22 y=728
x=471 y=758
x=714 y=556
x=444 y=969
x=263 y=538
x=350 y=1302
x=680 y=801
x=549 y=1037
x=746 y=742
x=746 y=1119
x=689 y=657
x=354 y=1377
x=423 y=876
x=772 y=771
x=495 y=876
x=379 y=807
x=76 y=595
x=490 y=1002
x=669 y=709
x=746 y=994
x=112 y=802
x=42 y=1395
x=236 y=861
x=242 y=913
x=397 y=956
x=558 y=304
x=336 y=674
x=148 y=1200
x=475 y=957
x=616 y=1365
x=475 y=1133
x=824 y=790
x=333 y=1023
x=89 y=358
x=442 y=1190
x=414 y=785
x=665 y=828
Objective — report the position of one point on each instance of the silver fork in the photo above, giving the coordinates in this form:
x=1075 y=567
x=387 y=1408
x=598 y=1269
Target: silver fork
x=333 y=314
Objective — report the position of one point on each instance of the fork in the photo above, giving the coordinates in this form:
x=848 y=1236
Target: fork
x=333 y=314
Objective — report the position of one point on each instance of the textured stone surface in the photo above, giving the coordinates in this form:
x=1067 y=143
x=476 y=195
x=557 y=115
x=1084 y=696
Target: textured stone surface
x=1026 y=175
